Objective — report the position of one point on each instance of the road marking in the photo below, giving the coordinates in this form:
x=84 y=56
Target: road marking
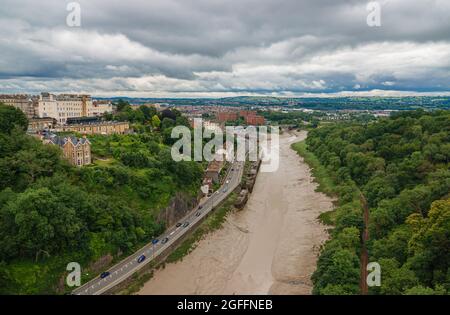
x=209 y=208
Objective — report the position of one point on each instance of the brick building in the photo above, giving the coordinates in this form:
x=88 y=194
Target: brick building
x=76 y=150
x=255 y=120
x=247 y=113
x=227 y=116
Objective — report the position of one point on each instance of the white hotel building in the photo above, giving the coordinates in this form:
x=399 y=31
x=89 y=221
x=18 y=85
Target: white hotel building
x=65 y=106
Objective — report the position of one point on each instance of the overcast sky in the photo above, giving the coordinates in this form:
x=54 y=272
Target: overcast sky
x=214 y=48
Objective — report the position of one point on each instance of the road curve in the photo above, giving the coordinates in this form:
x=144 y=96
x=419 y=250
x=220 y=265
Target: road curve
x=130 y=265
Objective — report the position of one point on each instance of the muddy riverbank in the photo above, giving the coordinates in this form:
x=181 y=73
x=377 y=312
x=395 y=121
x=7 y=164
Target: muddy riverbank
x=269 y=247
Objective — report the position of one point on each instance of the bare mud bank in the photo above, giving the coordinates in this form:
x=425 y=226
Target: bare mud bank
x=270 y=247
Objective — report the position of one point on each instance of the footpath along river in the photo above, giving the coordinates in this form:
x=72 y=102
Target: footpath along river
x=269 y=247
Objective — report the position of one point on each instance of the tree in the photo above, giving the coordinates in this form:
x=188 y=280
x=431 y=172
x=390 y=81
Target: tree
x=10 y=118
x=430 y=243
x=156 y=122
x=43 y=222
x=135 y=159
x=349 y=238
x=167 y=113
x=122 y=105
x=395 y=279
x=400 y=164
x=167 y=123
x=421 y=290
x=338 y=267
x=148 y=112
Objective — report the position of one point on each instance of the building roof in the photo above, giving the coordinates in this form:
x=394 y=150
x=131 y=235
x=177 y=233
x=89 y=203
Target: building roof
x=61 y=141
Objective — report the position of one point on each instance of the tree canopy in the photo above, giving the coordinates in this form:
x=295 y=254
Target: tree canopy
x=401 y=165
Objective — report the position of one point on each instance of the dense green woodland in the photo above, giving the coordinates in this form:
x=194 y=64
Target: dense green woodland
x=401 y=165
x=52 y=213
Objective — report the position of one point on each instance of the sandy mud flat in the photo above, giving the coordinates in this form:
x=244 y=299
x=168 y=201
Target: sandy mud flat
x=270 y=247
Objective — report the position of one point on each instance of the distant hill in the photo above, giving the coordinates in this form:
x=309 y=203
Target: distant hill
x=318 y=103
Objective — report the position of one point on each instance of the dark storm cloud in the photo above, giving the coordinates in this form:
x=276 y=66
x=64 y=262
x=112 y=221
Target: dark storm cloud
x=201 y=46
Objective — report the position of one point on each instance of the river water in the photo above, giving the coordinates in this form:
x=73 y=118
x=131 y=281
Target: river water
x=269 y=247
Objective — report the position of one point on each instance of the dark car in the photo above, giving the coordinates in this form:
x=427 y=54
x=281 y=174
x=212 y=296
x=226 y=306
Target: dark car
x=155 y=241
x=200 y=207
x=185 y=224
x=141 y=258
x=198 y=214
x=104 y=275
x=165 y=240
x=178 y=224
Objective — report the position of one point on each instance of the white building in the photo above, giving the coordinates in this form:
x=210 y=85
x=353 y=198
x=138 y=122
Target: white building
x=65 y=106
x=98 y=108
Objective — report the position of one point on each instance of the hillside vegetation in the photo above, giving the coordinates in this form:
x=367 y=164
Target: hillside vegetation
x=401 y=166
x=52 y=213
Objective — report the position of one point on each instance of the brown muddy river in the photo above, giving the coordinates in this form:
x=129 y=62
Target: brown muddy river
x=270 y=247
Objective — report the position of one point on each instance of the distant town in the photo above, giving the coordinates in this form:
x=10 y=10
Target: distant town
x=51 y=114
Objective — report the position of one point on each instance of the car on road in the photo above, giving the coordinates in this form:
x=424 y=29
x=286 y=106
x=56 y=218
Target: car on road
x=141 y=258
x=232 y=169
x=198 y=214
x=155 y=241
x=200 y=207
x=104 y=275
x=228 y=181
x=178 y=224
x=185 y=224
x=165 y=240
x=225 y=190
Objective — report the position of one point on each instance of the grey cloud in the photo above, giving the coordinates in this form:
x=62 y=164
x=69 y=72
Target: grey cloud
x=253 y=46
